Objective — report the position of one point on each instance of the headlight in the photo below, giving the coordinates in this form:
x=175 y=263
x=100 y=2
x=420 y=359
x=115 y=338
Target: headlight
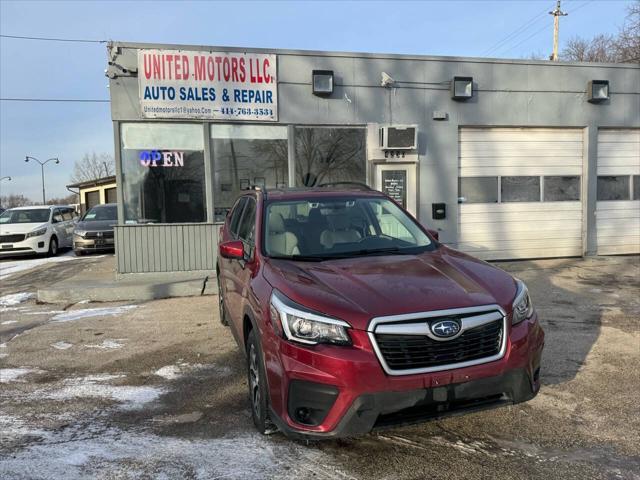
x=522 y=306
x=80 y=233
x=36 y=233
x=304 y=326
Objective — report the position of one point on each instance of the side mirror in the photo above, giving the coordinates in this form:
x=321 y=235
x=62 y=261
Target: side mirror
x=233 y=250
x=434 y=234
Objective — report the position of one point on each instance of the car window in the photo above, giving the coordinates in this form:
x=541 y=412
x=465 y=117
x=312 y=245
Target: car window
x=67 y=214
x=35 y=215
x=101 y=214
x=341 y=227
x=57 y=215
x=246 y=227
x=236 y=213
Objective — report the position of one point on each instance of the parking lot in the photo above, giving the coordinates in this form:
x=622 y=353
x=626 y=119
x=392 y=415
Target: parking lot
x=158 y=390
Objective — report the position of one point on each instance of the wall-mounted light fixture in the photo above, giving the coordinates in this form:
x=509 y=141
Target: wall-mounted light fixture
x=462 y=88
x=598 y=91
x=322 y=81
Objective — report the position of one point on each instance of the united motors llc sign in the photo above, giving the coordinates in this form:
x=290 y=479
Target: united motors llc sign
x=210 y=85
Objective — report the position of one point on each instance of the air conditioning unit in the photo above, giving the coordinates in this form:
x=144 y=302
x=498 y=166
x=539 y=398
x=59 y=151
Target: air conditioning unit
x=399 y=137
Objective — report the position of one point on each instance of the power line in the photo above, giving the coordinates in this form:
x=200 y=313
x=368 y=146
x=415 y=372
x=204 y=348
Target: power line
x=51 y=39
x=70 y=100
x=524 y=27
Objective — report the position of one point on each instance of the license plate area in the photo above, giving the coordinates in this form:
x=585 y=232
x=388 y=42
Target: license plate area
x=6 y=246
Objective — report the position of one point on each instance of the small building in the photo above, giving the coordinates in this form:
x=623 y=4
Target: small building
x=95 y=192
x=507 y=159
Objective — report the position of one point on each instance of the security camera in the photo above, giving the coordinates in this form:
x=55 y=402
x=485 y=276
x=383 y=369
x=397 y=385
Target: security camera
x=387 y=80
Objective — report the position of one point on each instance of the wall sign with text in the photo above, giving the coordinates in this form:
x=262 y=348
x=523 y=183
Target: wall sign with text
x=209 y=85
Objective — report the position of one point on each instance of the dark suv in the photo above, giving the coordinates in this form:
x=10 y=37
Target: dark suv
x=353 y=316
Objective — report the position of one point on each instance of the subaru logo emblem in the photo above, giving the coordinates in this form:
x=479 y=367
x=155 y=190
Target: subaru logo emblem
x=445 y=328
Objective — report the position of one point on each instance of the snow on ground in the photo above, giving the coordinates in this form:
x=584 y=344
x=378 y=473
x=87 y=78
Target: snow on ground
x=13 y=374
x=14 y=298
x=9 y=322
x=95 y=386
x=62 y=345
x=172 y=372
x=91 y=312
x=15 y=266
x=107 y=344
x=96 y=449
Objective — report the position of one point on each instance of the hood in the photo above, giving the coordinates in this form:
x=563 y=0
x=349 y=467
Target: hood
x=13 y=228
x=96 y=226
x=358 y=289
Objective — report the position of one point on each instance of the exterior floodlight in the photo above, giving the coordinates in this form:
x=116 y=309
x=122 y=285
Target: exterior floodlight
x=462 y=88
x=322 y=81
x=598 y=91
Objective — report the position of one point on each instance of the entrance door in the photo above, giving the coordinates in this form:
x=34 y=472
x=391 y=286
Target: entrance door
x=398 y=181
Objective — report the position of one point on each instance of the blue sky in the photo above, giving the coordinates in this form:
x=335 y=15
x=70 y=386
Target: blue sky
x=37 y=69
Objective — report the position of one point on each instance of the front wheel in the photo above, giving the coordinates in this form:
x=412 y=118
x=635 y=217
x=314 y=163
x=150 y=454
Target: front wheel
x=53 y=247
x=257 y=385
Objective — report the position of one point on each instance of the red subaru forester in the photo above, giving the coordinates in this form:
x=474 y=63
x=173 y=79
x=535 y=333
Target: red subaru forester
x=353 y=316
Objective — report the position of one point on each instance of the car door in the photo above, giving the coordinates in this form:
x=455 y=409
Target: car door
x=57 y=223
x=227 y=271
x=240 y=269
x=69 y=224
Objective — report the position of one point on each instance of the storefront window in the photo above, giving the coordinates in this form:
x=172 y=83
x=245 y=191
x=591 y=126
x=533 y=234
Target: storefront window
x=246 y=155
x=163 y=173
x=325 y=155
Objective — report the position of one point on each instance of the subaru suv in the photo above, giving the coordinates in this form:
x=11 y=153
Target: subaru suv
x=353 y=316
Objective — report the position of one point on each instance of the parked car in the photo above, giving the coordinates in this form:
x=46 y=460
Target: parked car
x=94 y=231
x=36 y=229
x=353 y=316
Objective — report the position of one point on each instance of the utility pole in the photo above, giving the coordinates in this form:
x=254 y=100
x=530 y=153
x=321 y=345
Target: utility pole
x=557 y=13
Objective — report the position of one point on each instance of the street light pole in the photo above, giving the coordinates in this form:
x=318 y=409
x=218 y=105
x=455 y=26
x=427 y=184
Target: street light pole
x=42 y=164
x=7 y=178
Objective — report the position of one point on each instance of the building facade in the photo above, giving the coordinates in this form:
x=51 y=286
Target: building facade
x=95 y=192
x=507 y=159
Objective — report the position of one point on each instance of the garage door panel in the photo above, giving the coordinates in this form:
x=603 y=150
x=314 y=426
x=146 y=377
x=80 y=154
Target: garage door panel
x=618 y=222
x=527 y=229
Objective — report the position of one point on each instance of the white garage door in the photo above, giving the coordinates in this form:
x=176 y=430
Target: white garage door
x=618 y=206
x=520 y=192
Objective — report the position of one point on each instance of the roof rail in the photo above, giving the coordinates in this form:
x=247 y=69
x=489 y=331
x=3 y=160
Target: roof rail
x=362 y=186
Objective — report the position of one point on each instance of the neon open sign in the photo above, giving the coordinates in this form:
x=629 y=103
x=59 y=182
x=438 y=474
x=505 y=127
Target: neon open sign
x=161 y=158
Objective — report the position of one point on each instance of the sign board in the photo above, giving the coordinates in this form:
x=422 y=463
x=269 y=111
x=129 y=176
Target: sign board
x=207 y=85
x=394 y=184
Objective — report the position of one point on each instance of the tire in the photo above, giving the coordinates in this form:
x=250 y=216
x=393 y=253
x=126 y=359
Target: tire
x=257 y=380
x=53 y=247
x=78 y=253
x=221 y=311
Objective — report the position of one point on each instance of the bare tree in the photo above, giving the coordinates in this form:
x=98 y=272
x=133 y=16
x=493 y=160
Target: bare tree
x=624 y=47
x=93 y=166
x=68 y=200
x=14 y=200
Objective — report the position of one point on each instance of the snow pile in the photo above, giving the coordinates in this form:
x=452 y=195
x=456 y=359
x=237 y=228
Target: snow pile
x=9 y=322
x=92 y=312
x=15 y=298
x=13 y=374
x=62 y=345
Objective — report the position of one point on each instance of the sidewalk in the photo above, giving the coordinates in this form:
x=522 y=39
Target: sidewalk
x=99 y=283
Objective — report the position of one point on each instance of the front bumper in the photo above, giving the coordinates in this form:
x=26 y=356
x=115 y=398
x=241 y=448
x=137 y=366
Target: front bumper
x=29 y=246
x=360 y=397
x=81 y=244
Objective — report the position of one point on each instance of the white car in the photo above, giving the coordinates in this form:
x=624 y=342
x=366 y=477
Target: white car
x=29 y=230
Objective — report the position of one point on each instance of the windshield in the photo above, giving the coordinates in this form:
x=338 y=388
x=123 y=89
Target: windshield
x=98 y=214
x=340 y=228
x=35 y=215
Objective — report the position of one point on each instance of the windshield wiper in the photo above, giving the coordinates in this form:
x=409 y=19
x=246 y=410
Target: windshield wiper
x=302 y=258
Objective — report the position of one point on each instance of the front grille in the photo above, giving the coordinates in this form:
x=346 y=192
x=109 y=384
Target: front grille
x=405 y=352
x=95 y=235
x=11 y=238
